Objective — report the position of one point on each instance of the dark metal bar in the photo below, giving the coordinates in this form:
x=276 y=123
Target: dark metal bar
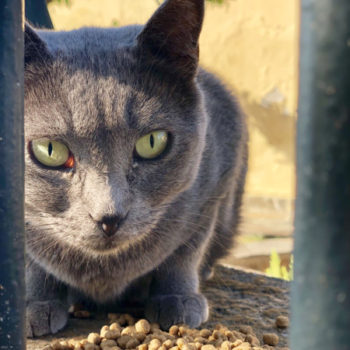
x=37 y=14
x=321 y=290
x=12 y=307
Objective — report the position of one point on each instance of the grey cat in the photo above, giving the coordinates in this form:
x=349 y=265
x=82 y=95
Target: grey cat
x=135 y=168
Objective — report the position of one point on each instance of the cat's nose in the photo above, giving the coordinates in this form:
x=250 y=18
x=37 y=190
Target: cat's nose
x=110 y=224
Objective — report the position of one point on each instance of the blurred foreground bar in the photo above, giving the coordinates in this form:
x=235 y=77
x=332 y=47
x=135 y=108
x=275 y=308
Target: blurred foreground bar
x=12 y=307
x=37 y=14
x=321 y=290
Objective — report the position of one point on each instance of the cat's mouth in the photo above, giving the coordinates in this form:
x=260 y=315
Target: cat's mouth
x=101 y=243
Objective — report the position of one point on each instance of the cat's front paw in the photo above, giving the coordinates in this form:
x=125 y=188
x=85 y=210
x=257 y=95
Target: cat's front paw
x=191 y=309
x=45 y=317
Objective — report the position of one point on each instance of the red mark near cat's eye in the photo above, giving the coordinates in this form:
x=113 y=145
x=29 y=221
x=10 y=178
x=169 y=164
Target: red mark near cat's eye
x=69 y=162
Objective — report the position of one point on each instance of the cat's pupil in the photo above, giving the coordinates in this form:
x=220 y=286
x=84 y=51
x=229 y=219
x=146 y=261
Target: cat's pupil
x=151 y=140
x=50 y=149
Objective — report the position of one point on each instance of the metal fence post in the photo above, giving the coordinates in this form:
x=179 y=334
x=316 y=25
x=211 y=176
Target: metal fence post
x=12 y=308
x=321 y=290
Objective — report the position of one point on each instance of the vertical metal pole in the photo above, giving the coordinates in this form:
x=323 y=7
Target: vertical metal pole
x=37 y=14
x=321 y=290
x=12 y=308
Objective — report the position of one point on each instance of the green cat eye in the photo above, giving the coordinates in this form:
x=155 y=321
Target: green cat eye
x=50 y=153
x=152 y=145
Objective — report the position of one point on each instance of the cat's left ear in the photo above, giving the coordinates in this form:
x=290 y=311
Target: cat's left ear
x=170 y=38
x=35 y=50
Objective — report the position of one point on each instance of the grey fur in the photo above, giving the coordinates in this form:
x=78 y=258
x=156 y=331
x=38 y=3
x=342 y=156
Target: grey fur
x=98 y=91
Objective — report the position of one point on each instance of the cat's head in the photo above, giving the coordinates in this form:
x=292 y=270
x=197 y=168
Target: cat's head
x=114 y=128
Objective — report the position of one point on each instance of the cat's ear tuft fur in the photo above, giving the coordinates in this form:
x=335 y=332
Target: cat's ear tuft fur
x=171 y=36
x=35 y=49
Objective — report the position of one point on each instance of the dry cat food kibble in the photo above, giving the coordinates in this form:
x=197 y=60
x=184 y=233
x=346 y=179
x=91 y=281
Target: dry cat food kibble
x=270 y=339
x=125 y=333
x=282 y=322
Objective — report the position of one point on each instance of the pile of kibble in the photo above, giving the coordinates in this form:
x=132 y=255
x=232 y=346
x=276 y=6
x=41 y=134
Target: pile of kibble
x=126 y=333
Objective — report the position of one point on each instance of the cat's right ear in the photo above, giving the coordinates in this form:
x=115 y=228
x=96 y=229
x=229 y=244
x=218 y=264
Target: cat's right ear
x=35 y=50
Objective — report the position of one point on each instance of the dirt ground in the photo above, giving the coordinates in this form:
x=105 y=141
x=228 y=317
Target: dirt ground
x=236 y=299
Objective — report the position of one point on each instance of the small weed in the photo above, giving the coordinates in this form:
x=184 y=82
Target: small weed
x=216 y=1
x=213 y=1
x=276 y=270
x=115 y=23
x=67 y=2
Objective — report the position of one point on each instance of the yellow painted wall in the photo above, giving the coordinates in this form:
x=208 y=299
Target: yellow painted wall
x=252 y=46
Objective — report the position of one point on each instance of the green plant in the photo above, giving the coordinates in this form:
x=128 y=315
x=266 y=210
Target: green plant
x=67 y=2
x=275 y=268
x=216 y=1
x=115 y=23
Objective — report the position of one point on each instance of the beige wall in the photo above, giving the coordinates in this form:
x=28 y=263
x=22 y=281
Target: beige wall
x=252 y=46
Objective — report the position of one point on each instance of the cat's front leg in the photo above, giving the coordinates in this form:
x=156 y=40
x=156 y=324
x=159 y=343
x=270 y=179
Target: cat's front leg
x=174 y=295
x=46 y=307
